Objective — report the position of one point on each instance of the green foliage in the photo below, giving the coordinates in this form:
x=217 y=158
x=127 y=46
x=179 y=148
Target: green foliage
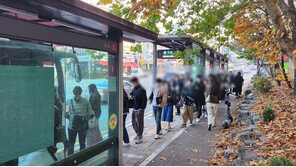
x=137 y=48
x=275 y=161
x=261 y=164
x=248 y=91
x=262 y=84
x=268 y=114
x=96 y=55
x=187 y=54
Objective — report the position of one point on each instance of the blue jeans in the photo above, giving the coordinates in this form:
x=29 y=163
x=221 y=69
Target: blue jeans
x=125 y=134
x=157 y=115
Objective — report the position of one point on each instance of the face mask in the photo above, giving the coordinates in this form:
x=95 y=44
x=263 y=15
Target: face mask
x=198 y=79
x=188 y=83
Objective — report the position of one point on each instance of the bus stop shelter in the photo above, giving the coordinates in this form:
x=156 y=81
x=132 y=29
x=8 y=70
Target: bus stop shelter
x=208 y=58
x=39 y=45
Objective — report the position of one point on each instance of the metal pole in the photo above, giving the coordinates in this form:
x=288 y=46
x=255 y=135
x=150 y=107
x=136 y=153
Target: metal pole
x=120 y=121
x=154 y=61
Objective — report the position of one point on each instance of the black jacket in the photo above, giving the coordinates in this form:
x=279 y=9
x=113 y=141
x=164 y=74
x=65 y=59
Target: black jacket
x=125 y=103
x=199 y=93
x=139 y=97
x=95 y=103
x=238 y=81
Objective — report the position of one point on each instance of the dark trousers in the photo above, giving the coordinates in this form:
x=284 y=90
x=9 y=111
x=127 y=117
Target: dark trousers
x=72 y=138
x=138 y=122
x=125 y=134
x=178 y=110
x=199 y=110
x=157 y=116
x=238 y=91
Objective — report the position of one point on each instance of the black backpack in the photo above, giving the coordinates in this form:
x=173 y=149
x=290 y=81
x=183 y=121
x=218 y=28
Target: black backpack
x=175 y=98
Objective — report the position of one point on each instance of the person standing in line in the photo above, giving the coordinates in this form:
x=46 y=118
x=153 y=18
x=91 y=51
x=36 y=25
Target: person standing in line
x=126 y=141
x=199 y=96
x=188 y=96
x=213 y=101
x=238 y=83
x=79 y=112
x=158 y=98
x=94 y=134
x=139 y=103
x=177 y=88
x=168 y=110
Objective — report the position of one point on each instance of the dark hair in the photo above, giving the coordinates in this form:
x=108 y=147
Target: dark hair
x=93 y=89
x=198 y=76
x=158 y=80
x=190 y=79
x=77 y=91
x=239 y=73
x=169 y=85
x=134 y=80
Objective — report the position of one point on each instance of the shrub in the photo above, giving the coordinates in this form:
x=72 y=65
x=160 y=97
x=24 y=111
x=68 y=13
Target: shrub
x=275 y=161
x=248 y=91
x=268 y=114
x=262 y=84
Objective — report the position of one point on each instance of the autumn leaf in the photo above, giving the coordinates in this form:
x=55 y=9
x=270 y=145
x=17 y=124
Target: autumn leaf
x=195 y=150
x=192 y=159
x=163 y=158
x=283 y=114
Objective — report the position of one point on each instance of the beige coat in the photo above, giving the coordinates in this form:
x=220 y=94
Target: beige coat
x=164 y=95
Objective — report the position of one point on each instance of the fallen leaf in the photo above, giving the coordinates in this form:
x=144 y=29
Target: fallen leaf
x=195 y=150
x=192 y=159
x=163 y=158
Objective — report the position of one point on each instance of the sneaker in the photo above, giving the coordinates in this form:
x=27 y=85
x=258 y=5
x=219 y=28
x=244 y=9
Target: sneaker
x=183 y=125
x=170 y=127
x=125 y=144
x=210 y=127
x=191 y=124
x=136 y=138
x=138 y=141
x=156 y=136
x=197 y=120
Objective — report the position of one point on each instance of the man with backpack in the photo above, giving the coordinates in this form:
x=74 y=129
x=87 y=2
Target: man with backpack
x=188 y=96
x=158 y=99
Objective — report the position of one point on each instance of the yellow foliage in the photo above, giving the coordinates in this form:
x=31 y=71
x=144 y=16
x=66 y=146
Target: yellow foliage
x=256 y=34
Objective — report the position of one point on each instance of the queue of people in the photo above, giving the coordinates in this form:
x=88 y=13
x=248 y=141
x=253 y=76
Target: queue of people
x=202 y=97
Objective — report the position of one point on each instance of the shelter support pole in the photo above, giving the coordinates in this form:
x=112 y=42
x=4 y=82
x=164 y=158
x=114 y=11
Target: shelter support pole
x=154 y=61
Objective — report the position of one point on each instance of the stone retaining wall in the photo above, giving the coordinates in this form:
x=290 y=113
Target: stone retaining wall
x=247 y=132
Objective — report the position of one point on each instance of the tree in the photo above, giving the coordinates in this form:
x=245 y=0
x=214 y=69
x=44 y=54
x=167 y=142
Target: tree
x=280 y=11
x=265 y=29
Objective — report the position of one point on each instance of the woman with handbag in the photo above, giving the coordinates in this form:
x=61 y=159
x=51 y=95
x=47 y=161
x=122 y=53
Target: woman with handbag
x=158 y=99
x=94 y=134
x=79 y=113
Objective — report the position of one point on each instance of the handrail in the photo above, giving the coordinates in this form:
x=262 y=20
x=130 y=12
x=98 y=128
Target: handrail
x=87 y=153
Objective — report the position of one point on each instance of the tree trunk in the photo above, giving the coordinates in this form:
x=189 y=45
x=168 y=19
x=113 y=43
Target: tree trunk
x=277 y=81
x=284 y=72
x=276 y=14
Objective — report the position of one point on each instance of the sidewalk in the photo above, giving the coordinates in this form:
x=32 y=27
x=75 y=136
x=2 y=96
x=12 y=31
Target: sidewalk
x=180 y=146
x=195 y=145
